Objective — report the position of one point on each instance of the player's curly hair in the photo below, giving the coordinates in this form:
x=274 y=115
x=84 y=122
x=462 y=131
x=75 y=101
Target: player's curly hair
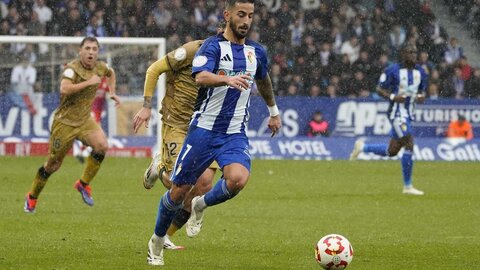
x=231 y=3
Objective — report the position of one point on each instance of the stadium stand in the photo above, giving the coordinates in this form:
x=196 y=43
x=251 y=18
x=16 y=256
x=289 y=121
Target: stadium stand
x=339 y=47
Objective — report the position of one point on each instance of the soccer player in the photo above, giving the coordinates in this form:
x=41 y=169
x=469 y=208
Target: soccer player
x=80 y=151
x=402 y=84
x=224 y=68
x=177 y=109
x=72 y=120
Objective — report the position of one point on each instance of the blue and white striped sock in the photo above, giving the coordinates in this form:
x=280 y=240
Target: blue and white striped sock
x=218 y=194
x=166 y=212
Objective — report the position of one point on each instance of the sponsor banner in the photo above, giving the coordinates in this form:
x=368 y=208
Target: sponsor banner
x=359 y=117
x=15 y=122
x=136 y=152
x=302 y=148
x=118 y=121
x=41 y=149
x=347 y=117
x=299 y=148
x=19 y=149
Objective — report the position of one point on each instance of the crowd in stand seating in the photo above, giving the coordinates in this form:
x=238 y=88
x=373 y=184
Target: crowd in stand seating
x=337 y=49
x=466 y=12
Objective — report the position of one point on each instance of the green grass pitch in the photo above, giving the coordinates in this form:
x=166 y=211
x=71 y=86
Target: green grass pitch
x=273 y=224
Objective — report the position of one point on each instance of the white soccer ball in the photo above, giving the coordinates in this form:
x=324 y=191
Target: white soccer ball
x=334 y=251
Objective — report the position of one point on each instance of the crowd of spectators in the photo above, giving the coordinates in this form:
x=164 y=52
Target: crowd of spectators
x=466 y=12
x=333 y=48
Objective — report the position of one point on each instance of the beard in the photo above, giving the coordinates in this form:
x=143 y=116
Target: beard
x=237 y=31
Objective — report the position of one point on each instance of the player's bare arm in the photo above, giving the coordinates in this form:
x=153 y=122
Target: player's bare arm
x=112 y=86
x=143 y=115
x=208 y=79
x=153 y=73
x=265 y=89
x=67 y=87
x=386 y=94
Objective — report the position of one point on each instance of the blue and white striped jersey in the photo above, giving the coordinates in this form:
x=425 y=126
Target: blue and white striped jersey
x=225 y=109
x=407 y=82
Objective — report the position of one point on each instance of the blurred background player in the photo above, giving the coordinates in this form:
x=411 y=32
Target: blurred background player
x=225 y=68
x=460 y=128
x=177 y=110
x=72 y=120
x=22 y=79
x=402 y=84
x=81 y=151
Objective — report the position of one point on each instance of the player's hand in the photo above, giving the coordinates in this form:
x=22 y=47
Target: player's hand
x=95 y=79
x=142 y=116
x=239 y=82
x=274 y=124
x=420 y=98
x=116 y=99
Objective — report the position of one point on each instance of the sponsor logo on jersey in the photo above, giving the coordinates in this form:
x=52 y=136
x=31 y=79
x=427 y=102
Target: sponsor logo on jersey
x=226 y=58
x=231 y=73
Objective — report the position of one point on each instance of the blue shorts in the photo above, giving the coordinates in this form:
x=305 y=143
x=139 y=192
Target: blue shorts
x=201 y=147
x=401 y=127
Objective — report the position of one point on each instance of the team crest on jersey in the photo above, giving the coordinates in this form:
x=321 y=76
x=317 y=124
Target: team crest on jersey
x=403 y=126
x=250 y=57
x=199 y=61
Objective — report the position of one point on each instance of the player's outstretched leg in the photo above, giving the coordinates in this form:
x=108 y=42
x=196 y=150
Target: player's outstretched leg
x=357 y=149
x=180 y=218
x=166 y=212
x=407 y=168
x=153 y=172
x=82 y=185
x=30 y=203
x=150 y=176
x=155 y=250
x=195 y=222
x=360 y=146
x=168 y=244
x=38 y=184
x=218 y=194
x=85 y=190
